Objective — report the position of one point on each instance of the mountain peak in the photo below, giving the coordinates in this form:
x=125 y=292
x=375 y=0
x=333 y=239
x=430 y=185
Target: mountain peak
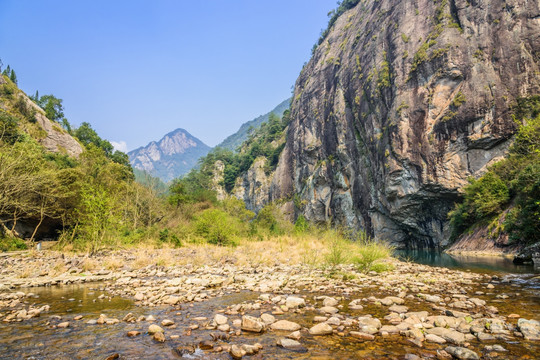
x=173 y=155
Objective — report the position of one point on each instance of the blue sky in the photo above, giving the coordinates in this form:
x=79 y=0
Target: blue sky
x=138 y=69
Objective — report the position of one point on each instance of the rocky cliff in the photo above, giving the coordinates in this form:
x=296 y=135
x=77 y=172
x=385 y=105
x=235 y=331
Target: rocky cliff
x=174 y=155
x=400 y=104
x=48 y=133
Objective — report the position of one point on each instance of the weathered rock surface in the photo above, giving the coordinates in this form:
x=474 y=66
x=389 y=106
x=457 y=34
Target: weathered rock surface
x=400 y=104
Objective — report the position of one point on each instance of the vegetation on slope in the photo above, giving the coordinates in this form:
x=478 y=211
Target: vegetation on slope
x=96 y=203
x=267 y=141
x=508 y=195
x=235 y=141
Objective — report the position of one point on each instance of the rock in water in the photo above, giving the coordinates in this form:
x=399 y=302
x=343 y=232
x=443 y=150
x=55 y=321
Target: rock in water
x=294 y=302
x=159 y=337
x=321 y=329
x=462 y=353
x=529 y=328
x=252 y=324
x=152 y=329
x=285 y=325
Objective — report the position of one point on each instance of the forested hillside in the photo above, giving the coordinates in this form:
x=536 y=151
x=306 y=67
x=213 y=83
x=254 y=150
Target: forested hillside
x=61 y=182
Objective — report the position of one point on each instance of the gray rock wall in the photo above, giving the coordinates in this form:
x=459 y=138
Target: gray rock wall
x=399 y=106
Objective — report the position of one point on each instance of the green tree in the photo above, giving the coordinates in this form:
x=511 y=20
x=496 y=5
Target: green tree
x=54 y=110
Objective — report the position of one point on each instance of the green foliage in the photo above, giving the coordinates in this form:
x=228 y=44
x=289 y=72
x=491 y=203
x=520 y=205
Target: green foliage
x=54 y=110
x=459 y=99
x=217 y=227
x=266 y=141
x=383 y=80
x=369 y=253
x=12 y=244
x=9 y=132
x=10 y=73
x=337 y=253
x=343 y=6
x=271 y=220
x=512 y=183
x=301 y=225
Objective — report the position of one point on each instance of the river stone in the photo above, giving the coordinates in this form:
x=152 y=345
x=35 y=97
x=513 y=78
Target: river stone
x=139 y=297
x=220 y=319
x=268 y=318
x=529 y=328
x=333 y=321
x=290 y=344
x=435 y=339
x=172 y=300
x=329 y=310
x=433 y=298
x=159 y=337
x=129 y=318
x=294 y=302
x=321 y=329
x=252 y=324
x=295 y=335
x=167 y=322
x=355 y=305
x=449 y=335
x=400 y=309
x=133 y=333
x=237 y=352
x=63 y=325
x=152 y=329
x=389 y=329
x=462 y=353
x=362 y=336
x=285 y=325
x=477 y=302
x=330 y=301
x=392 y=300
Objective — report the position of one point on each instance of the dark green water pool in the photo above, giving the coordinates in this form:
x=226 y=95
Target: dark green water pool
x=473 y=263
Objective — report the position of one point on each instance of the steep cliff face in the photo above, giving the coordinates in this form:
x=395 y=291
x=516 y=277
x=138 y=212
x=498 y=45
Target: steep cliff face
x=174 y=155
x=400 y=104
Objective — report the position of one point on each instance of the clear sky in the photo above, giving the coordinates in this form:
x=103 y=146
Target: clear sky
x=137 y=69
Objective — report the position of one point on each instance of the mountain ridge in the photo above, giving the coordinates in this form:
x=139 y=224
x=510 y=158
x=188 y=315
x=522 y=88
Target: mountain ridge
x=174 y=155
x=232 y=142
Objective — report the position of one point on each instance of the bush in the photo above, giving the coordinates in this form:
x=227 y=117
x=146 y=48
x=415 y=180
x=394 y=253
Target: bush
x=12 y=244
x=369 y=253
x=337 y=253
x=511 y=183
x=216 y=227
x=301 y=225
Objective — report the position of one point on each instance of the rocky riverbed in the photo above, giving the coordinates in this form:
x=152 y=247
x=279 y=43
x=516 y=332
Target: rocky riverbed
x=54 y=305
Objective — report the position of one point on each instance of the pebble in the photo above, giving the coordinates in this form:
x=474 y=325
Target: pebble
x=152 y=329
x=321 y=329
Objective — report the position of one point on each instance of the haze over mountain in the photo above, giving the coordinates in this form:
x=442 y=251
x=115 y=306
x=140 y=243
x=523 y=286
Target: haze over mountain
x=172 y=156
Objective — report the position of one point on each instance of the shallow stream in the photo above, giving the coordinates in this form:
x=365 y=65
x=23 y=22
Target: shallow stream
x=36 y=339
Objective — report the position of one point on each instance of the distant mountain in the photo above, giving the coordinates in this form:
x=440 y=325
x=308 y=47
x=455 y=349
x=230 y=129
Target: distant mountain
x=172 y=156
x=235 y=140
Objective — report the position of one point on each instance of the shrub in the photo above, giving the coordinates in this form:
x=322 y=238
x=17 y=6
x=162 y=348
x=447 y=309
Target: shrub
x=369 y=253
x=301 y=225
x=216 y=227
x=12 y=244
x=337 y=253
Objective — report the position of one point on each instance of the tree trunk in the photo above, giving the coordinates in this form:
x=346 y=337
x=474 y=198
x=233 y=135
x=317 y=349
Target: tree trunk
x=41 y=216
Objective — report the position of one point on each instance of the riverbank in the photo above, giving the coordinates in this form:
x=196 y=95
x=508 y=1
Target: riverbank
x=271 y=300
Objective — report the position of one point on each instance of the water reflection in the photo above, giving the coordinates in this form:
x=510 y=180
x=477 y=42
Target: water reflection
x=473 y=263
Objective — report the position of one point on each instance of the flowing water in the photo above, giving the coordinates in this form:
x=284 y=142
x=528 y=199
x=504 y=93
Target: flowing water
x=35 y=339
